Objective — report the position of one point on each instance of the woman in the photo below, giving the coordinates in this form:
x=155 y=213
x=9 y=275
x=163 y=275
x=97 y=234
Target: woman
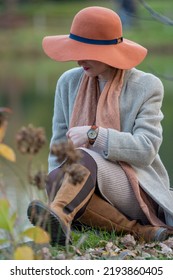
x=111 y=112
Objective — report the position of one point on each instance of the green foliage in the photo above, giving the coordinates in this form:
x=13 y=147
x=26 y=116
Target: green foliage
x=7 y=221
x=29 y=140
x=7 y=224
x=92 y=238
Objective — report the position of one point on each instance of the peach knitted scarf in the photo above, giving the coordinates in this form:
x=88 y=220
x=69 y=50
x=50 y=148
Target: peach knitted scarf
x=91 y=107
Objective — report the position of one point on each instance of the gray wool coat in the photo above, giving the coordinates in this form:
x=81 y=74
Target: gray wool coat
x=140 y=138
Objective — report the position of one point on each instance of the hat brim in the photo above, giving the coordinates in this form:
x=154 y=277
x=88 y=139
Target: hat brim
x=124 y=55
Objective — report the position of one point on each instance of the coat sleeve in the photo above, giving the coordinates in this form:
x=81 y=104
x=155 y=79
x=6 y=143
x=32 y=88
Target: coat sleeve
x=140 y=146
x=65 y=94
x=59 y=125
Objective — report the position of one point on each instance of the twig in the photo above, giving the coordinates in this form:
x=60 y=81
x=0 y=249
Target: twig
x=156 y=15
x=165 y=77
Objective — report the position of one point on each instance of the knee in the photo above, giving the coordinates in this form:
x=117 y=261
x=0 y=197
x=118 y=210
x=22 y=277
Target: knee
x=89 y=163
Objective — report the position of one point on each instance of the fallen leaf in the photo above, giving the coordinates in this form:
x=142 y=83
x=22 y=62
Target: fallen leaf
x=128 y=240
x=165 y=249
x=109 y=246
x=126 y=253
x=145 y=255
x=169 y=242
x=45 y=252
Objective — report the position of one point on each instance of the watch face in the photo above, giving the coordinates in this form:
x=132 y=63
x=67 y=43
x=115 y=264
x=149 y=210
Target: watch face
x=92 y=134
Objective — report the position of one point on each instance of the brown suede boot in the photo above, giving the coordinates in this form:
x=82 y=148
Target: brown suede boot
x=69 y=200
x=100 y=214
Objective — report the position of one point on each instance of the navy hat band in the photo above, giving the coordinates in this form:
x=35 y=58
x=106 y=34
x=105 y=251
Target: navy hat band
x=95 y=42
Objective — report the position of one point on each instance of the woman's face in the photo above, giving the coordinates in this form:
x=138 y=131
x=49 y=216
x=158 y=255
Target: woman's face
x=95 y=68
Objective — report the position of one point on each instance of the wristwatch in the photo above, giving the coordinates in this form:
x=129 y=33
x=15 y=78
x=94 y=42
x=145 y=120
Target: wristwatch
x=92 y=134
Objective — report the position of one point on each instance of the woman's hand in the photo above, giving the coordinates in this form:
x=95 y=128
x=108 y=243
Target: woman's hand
x=78 y=135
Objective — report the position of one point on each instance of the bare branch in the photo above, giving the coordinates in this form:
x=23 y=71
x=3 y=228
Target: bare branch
x=165 y=77
x=156 y=15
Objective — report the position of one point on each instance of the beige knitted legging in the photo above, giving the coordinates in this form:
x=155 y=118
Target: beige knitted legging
x=115 y=188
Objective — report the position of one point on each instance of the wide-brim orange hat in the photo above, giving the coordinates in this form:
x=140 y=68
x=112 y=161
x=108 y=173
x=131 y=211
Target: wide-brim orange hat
x=95 y=34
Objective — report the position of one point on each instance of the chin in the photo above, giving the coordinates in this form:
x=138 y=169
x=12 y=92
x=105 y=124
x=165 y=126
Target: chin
x=90 y=74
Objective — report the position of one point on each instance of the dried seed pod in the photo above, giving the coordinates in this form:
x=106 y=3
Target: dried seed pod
x=30 y=139
x=76 y=172
x=65 y=150
x=39 y=180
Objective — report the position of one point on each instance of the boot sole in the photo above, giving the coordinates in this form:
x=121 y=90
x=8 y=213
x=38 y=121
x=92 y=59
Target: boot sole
x=41 y=215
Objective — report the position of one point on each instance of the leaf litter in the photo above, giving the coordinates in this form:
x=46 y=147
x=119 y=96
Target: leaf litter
x=119 y=248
